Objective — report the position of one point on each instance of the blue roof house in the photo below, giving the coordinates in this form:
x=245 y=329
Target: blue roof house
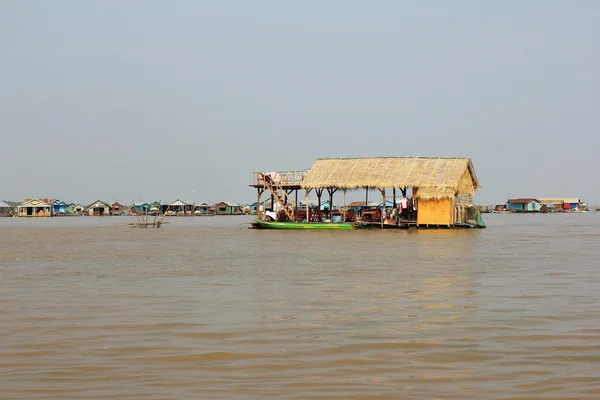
x=59 y=207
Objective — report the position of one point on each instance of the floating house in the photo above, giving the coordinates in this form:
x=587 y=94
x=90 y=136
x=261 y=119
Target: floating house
x=227 y=208
x=202 y=208
x=99 y=208
x=59 y=207
x=561 y=203
x=36 y=207
x=527 y=204
x=117 y=208
x=5 y=209
x=141 y=208
x=442 y=188
x=179 y=207
x=77 y=209
x=357 y=205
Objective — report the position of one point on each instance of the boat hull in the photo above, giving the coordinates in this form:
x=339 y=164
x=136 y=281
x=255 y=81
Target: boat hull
x=379 y=225
x=258 y=224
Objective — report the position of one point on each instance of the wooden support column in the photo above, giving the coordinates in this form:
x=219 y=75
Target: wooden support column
x=296 y=205
x=344 y=216
x=307 y=191
x=382 y=207
x=258 y=211
x=288 y=197
x=272 y=201
x=331 y=191
x=319 y=194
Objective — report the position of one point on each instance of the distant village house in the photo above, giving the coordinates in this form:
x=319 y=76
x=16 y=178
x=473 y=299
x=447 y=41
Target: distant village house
x=561 y=203
x=524 y=205
x=117 y=208
x=5 y=209
x=99 y=208
x=227 y=208
x=59 y=207
x=36 y=207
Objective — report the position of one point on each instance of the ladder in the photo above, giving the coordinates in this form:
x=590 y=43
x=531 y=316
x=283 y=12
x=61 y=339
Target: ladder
x=283 y=201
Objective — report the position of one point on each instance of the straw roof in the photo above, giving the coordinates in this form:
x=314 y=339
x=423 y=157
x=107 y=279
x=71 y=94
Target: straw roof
x=442 y=177
x=434 y=193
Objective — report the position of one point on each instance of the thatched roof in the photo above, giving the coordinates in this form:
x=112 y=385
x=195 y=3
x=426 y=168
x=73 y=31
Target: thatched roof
x=434 y=193
x=443 y=177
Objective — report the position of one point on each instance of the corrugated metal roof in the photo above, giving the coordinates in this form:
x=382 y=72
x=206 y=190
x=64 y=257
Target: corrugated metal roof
x=46 y=200
x=99 y=204
x=4 y=205
x=522 y=201
x=559 y=200
x=179 y=203
x=37 y=202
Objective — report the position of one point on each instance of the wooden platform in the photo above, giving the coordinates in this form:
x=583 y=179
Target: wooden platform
x=288 y=180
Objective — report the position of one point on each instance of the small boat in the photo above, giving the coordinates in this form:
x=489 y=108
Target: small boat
x=258 y=224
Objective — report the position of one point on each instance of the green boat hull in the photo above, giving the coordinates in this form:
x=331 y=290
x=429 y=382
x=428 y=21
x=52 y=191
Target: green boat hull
x=300 y=225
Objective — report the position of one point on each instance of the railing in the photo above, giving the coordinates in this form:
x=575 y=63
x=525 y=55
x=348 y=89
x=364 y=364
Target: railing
x=282 y=178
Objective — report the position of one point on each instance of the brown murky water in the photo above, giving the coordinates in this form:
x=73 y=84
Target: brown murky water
x=204 y=309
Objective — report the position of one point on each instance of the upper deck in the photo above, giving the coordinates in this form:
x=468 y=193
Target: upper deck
x=284 y=179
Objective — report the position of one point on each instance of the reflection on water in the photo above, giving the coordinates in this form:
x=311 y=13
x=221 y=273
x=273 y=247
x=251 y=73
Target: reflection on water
x=205 y=308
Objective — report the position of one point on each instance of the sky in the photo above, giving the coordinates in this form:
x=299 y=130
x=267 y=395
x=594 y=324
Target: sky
x=156 y=100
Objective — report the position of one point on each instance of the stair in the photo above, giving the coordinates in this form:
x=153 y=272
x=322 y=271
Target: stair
x=283 y=201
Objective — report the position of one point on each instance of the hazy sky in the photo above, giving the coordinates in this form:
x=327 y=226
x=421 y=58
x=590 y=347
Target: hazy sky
x=151 y=100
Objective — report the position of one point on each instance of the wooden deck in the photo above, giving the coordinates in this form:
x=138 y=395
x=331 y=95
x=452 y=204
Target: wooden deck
x=288 y=180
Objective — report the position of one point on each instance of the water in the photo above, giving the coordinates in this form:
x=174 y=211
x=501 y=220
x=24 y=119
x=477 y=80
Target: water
x=203 y=308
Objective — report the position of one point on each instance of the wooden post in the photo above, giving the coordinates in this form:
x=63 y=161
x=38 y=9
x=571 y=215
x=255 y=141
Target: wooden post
x=258 y=211
x=307 y=206
x=319 y=206
x=319 y=194
x=344 y=217
x=296 y=206
x=331 y=191
x=382 y=207
x=366 y=199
